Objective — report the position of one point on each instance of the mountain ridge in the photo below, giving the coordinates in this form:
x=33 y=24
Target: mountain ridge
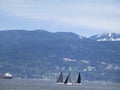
x=42 y=54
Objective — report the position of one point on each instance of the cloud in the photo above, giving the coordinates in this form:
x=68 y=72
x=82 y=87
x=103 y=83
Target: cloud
x=102 y=14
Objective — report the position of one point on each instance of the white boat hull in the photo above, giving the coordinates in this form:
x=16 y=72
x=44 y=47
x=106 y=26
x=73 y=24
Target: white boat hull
x=60 y=83
x=68 y=84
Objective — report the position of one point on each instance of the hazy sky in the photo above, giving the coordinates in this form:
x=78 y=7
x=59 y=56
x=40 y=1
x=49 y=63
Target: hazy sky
x=84 y=17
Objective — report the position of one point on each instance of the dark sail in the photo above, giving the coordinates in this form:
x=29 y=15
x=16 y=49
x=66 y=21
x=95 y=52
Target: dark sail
x=68 y=79
x=60 y=78
x=79 y=78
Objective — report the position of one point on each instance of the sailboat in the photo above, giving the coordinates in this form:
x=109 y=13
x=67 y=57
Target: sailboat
x=78 y=82
x=60 y=79
x=68 y=80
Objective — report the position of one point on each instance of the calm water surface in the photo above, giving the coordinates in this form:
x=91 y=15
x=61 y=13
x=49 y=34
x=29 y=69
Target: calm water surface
x=50 y=85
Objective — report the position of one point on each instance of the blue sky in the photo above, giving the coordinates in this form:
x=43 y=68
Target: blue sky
x=84 y=17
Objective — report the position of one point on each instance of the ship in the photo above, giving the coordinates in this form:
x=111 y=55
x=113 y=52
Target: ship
x=6 y=76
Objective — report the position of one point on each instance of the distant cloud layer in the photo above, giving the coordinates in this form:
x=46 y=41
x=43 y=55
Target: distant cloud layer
x=94 y=14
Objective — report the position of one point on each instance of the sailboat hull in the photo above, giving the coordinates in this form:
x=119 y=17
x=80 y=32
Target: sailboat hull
x=68 y=84
x=60 y=83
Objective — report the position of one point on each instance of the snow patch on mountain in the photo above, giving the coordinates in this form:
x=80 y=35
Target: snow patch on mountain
x=106 y=37
x=85 y=61
x=89 y=68
x=69 y=60
x=111 y=66
x=110 y=34
x=110 y=39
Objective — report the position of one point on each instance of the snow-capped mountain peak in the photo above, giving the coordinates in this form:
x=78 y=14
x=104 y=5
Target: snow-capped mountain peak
x=106 y=37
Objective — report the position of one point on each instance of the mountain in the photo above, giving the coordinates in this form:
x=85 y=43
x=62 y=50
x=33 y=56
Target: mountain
x=41 y=54
x=106 y=37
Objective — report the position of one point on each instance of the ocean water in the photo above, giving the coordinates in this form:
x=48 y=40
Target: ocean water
x=17 y=84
